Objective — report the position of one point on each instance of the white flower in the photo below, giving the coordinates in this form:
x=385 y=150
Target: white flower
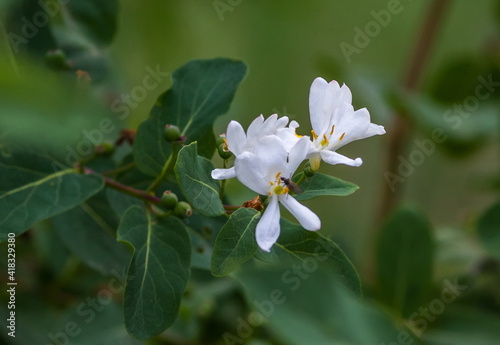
x=261 y=170
x=335 y=123
x=239 y=142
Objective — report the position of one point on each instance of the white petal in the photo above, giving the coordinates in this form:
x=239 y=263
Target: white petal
x=270 y=157
x=282 y=122
x=268 y=228
x=254 y=128
x=297 y=154
x=374 y=129
x=223 y=174
x=353 y=124
x=331 y=157
x=316 y=101
x=307 y=218
x=248 y=172
x=236 y=138
x=345 y=94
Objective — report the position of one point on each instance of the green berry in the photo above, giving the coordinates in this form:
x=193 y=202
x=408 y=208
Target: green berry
x=172 y=133
x=183 y=210
x=169 y=200
x=220 y=140
x=105 y=149
x=224 y=153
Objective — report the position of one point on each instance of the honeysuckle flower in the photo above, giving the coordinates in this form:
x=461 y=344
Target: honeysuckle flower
x=335 y=123
x=238 y=141
x=262 y=169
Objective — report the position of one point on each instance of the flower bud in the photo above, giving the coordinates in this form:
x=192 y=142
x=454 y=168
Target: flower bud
x=105 y=149
x=169 y=200
x=183 y=210
x=172 y=133
x=223 y=151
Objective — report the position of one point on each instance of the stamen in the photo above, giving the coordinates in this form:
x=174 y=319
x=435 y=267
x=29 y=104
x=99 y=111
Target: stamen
x=333 y=128
x=325 y=141
x=271 y=183
x=342 y=136
x=315 y=136
x=278 y=175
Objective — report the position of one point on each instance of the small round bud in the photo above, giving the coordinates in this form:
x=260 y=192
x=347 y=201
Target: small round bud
x=183 y=210
x=224 y=153
x=307 y=170
x=56 y=59
x=105 y=149
x=169 y=200
x=172 y=133
x=220 y=140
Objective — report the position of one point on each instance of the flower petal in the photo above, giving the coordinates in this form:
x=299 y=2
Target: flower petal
x=249 y=174
x=254 y=128
x=297 y=154
x=374 y=129
x=316 y=101
x=223 y=174
x=332 y=157
x=354 y=124
x=236 y=138
x=268 y=228
x=307 y=218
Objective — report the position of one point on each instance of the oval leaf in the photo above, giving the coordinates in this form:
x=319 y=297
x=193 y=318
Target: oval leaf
x=235 y=243
x=202 y=90
x=158 y=273
x=321 y=184
x=405 y=255
x=193 y=174
x=33 y=189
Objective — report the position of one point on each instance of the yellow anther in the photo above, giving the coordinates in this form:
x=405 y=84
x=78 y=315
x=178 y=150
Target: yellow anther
x=342 y=136
x=325 y=141
x=333 y=128
x=315 y=136
x=271 y=183
x=278 y=175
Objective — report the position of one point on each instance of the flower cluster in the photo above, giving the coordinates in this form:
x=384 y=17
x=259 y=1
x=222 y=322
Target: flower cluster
x=270 y=152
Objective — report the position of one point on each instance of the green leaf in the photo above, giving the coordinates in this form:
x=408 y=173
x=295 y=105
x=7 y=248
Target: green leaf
x=158 y=273
x=489 y=230
x=296 y=244
x=235 y=243
x=304 y=303
x=405 y=255
x=32 y=190
x=96 y=18
x=202 y=90
x=321 y=184
x=194 y=177
x=92 y=235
